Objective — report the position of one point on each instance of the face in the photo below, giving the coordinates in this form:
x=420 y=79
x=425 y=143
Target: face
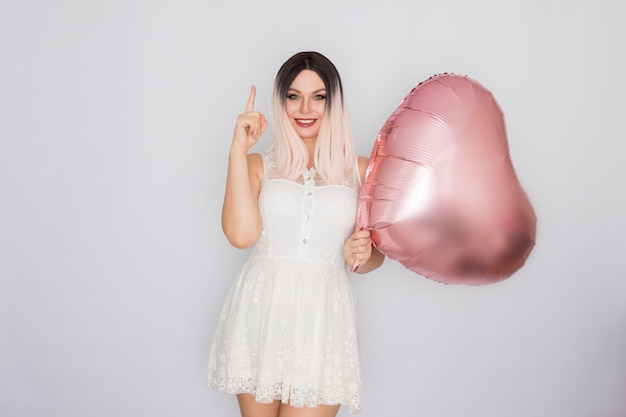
x=305 y=104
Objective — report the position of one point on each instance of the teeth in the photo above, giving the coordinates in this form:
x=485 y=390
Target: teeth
x=305 y=121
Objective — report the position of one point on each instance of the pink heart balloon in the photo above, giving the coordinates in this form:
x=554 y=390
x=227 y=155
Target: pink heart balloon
x=440 y=193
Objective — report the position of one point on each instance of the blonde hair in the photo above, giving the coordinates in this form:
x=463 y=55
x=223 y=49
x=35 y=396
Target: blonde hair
x=334 y=155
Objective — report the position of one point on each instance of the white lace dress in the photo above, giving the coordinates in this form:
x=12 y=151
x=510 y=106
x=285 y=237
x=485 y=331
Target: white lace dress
x=287 y=329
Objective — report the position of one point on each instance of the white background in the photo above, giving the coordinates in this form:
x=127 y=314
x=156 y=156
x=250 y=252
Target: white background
x=115 y=124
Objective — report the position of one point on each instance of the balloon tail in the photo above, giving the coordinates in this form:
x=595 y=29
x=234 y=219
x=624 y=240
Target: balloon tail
x=355 y=265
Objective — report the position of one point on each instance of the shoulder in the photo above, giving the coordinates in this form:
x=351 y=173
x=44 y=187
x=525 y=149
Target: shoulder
x=363 y=162
x=255 y=165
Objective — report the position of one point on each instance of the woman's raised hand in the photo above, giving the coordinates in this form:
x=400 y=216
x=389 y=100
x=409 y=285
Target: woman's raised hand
x=250 y=125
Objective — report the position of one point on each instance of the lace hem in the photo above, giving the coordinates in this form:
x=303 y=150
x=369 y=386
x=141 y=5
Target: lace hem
x=292 y=395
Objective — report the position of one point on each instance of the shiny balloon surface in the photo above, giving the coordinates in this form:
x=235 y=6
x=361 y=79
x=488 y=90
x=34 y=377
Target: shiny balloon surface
x=440 y=193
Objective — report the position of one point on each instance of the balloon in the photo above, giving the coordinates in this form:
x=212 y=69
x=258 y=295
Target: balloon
x=440 y=193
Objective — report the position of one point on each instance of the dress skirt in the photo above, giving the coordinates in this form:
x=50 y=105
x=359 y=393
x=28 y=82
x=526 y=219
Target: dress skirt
x=287 y=332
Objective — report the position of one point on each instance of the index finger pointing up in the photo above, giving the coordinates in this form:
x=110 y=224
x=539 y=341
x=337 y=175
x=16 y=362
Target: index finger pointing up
x=250 y=103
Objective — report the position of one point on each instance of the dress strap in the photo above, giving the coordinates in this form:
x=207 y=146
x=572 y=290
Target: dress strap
x=357 y=172
x=268 y=163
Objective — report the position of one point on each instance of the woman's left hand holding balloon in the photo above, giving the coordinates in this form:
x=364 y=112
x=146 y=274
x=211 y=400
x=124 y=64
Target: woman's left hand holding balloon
x=359 y=253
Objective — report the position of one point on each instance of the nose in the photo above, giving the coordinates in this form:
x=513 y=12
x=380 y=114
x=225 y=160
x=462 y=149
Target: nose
x=305 y=106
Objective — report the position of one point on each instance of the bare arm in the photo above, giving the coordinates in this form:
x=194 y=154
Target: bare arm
x=359 y=245
x=241 y=217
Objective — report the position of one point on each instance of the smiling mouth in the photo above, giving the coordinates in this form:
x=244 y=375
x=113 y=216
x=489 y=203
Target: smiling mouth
x=305 y=122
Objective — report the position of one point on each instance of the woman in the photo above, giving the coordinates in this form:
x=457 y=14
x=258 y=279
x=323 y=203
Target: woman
x=286 y=341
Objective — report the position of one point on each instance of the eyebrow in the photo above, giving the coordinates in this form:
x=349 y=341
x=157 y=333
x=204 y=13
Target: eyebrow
x=298 y=91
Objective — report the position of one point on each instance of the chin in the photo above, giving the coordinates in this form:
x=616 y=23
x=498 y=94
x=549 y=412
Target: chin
x=306 y=133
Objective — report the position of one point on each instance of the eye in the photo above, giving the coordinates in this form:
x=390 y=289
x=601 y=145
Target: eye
x=292 y=96
x=319 y=97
